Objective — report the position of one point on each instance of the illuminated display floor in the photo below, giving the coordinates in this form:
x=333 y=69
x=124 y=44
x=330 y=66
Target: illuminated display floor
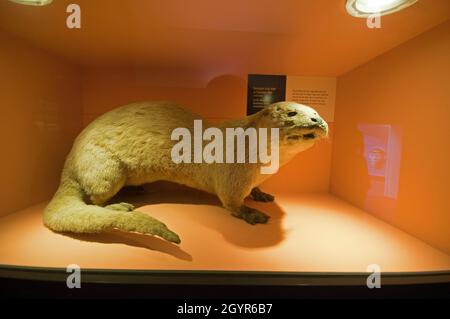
x=307 y=233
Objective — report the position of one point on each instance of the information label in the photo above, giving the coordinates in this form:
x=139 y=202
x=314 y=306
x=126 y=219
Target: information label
x=317 y=92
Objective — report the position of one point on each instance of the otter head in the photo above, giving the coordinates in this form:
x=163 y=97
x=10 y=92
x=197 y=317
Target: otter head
x=299 y=125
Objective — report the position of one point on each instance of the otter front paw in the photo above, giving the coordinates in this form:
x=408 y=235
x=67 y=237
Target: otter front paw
x=124 y=207
x=251 y=215
x=260 y=196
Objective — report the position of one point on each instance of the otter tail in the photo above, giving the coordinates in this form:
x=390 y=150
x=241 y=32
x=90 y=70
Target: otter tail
x=67 y=212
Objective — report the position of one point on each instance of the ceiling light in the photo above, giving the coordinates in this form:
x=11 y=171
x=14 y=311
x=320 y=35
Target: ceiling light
x=33 y=2
x=365 y=8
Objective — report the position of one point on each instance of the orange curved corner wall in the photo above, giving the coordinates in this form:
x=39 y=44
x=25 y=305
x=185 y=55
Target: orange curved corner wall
x=406 y=92
x=40 y=115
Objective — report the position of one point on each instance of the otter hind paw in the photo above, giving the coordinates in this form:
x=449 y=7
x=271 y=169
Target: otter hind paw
x=260 y=196
x=152 y=226
x=124 y=207
x=251 y=215
x=139 y=222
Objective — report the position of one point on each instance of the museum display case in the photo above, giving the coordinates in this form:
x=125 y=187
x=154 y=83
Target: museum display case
x=370 y=198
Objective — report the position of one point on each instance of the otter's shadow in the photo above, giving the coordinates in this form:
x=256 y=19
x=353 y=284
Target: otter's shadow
x=234 y=230
x=134 y=239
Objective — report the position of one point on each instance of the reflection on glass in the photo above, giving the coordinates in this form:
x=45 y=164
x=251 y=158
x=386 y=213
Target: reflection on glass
x=382 y=152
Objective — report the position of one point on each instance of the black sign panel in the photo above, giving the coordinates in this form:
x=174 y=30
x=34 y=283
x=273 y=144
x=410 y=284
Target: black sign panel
x=264 y=90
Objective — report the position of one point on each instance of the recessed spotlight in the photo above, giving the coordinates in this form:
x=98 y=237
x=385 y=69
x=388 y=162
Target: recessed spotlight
x=365 y=8
x=33 y=2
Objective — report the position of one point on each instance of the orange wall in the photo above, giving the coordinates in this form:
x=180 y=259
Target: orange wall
x=215 y=97
x=40 y=114
x=409 y=89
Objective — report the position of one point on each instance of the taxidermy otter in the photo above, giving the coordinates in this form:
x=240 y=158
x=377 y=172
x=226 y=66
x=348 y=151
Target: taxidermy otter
x=132 y=145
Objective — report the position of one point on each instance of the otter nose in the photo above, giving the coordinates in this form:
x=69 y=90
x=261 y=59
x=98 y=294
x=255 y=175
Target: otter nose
x=316 y=120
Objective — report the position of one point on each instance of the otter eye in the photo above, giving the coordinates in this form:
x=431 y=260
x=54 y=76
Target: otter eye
x=290 y=114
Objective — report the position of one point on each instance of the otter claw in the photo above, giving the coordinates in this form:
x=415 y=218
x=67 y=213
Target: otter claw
x=251 y=215
x=260 y=196
x=164 y=232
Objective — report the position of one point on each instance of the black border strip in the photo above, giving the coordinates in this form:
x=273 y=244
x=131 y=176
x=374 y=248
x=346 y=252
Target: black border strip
x=227 y=278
